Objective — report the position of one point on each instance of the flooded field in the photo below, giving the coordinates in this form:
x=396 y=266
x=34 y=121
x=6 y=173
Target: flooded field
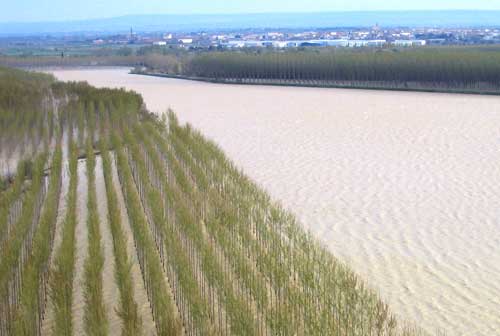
x=405 y=187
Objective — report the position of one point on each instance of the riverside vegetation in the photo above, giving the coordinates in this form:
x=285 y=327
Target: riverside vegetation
x=468 y=69
x=455 y=69
x=215 y=255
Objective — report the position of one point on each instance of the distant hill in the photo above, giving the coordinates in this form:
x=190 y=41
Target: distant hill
x=191 y=23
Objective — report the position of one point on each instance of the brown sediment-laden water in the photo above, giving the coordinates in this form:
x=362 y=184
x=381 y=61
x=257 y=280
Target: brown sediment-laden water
x=81 y=249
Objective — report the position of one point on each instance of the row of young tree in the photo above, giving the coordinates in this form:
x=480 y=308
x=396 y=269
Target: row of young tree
x=224 y=243
x=29 y=202
x=216 y=255
x=16 y=254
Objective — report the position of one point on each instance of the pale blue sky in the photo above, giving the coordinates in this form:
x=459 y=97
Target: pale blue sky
x=62 y=10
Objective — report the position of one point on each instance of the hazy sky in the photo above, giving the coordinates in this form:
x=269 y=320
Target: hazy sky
x=62 y=10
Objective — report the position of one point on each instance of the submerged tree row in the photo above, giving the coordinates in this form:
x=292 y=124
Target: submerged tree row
x=200 y=243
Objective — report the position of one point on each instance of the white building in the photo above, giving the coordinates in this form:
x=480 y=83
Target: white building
x=366 y=43
x=410 y=43
x=274 y=35
x=302 y=43
x=159 y=43
x=186 y=41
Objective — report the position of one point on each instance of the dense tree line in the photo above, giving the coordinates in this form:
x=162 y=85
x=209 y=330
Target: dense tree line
x=83 y=60
x=26 y=121
x=21 y=91
x=454 y=66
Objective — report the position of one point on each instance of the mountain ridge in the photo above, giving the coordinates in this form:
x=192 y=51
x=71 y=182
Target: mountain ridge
x=292 y=20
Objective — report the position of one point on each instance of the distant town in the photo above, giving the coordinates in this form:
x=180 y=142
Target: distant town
x=375 y=36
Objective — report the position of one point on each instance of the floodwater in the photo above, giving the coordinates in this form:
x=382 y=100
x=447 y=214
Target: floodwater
x=82 y=243
x=403 y=186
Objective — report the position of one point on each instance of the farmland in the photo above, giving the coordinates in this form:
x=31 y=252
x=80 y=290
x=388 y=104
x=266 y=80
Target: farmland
x=118 y=222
